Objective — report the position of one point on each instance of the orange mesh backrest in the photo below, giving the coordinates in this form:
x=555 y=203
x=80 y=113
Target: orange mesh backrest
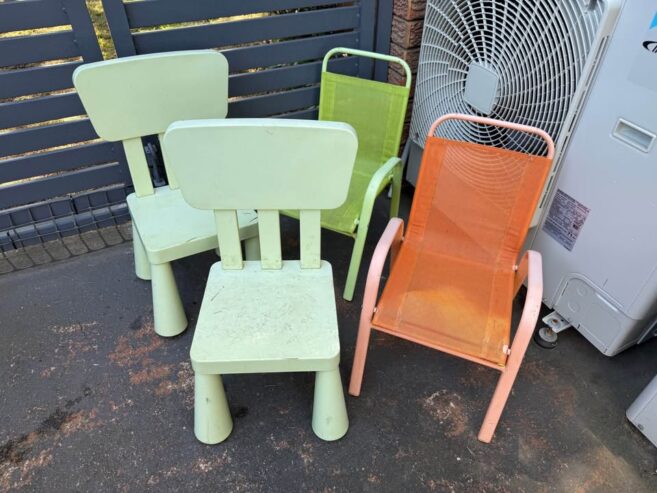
x=452 y=284
x=475 y=202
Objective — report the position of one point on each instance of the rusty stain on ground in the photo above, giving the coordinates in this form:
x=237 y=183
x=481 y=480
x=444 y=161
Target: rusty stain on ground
x=279 y=444
x=183 y=385
x=70 y=329
x=447 y=410
x=306 y=453
x=155 y=478
x=203 y=465
x=133 y=349
x=23 y=456
x=149 y=374
x=373 y=478
x=184 y=381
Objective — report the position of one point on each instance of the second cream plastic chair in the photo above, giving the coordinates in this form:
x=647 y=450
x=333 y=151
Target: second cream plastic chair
x=133 y=97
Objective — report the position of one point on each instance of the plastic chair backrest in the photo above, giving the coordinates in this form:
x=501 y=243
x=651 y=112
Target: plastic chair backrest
x=267 y=165
x=375 y=109
x=475 y=202
x=132 y=97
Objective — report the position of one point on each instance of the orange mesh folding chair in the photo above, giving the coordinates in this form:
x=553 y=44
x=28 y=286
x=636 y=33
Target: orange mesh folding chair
x=454 y=274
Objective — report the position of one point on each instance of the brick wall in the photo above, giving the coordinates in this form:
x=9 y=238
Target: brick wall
x=407 y=23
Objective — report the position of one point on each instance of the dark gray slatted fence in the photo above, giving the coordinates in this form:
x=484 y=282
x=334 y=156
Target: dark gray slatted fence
x=274 y=54
x=56 y=177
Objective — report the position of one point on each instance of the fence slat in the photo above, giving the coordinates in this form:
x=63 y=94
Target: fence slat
x=267 y=55
x=274 y=104
x=382 y=42
x=16 y=83
x=83 y=30
x=34 y=139
x=247 y=31
x=307 y=114
x=117 y=21
x=60 y=160
x=32 y=14
x=367 y=31
x=40 y=110
x=55 y=186
x=287 y=77
x=158 y=12
x=31 y=49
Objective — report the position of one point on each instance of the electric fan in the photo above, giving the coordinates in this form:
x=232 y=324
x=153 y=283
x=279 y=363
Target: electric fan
x=522 y=61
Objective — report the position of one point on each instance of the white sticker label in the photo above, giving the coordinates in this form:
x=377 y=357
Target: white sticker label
x=565 y=219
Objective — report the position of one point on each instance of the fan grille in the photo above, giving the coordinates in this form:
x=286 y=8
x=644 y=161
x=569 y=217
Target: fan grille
x=536 y=48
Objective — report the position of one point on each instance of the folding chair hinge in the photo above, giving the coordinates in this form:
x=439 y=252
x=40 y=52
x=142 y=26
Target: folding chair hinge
x=506 y=350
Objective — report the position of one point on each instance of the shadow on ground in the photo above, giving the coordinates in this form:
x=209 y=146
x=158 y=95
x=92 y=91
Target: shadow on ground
x=93 y=400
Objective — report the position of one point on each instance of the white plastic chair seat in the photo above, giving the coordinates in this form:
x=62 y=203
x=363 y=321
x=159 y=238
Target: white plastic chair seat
x=254 y=320
x=171 y=229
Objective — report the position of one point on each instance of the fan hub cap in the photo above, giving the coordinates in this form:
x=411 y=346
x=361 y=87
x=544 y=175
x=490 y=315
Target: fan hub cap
x=481 y=88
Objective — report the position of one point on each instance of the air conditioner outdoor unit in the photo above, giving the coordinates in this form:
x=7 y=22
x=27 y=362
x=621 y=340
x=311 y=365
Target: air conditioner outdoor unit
x=524 y=61
x=598 y=235
x=586 y=72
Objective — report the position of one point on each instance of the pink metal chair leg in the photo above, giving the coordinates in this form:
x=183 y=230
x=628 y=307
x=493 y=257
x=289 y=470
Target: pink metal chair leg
x=360 y=355
x=389 y=242
x=526 y=327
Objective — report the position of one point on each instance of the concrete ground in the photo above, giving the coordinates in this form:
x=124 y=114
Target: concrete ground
x=92 y=400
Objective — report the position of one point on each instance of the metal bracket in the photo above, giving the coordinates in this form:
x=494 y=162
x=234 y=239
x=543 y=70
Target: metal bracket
x=556 y=322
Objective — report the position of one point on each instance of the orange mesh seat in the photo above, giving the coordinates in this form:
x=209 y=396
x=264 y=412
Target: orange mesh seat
x=454 y=275
x=452 y=285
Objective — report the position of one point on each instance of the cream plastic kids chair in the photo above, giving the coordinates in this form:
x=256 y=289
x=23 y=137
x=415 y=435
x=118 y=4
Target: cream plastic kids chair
x=275 y=315
x=132 y=97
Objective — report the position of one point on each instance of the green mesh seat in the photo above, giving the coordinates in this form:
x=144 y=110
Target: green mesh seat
x=376 y=110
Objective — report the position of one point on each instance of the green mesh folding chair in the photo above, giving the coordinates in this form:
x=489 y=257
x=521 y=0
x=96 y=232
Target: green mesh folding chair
x=377 y=111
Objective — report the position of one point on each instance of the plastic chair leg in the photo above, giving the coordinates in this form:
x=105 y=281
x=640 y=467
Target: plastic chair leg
x=142 y=266
x=168 y=314
x=354 y=265
x=330 y=421
x=252 y=248
x=212 y=420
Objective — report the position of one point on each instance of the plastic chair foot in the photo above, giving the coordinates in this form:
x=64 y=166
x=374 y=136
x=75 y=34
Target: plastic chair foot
x=142 y=266
x=212 y=420
x=168 y=314
x=330 y=421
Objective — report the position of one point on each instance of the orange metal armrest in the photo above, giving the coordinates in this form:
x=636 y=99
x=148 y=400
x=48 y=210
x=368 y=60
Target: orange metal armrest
x=531 y=266
x=522 y=271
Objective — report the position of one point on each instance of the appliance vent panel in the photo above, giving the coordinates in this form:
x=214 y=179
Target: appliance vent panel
x=514 y=60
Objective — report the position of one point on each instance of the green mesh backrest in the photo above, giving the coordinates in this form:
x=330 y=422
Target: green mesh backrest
x=375 y=109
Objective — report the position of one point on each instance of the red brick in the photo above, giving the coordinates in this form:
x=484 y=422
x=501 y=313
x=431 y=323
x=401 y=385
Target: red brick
x=406 y=33
x=411 y=55
x=409 y=9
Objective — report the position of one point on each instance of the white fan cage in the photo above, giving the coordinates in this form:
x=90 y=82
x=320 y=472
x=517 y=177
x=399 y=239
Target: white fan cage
x=536 y=50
